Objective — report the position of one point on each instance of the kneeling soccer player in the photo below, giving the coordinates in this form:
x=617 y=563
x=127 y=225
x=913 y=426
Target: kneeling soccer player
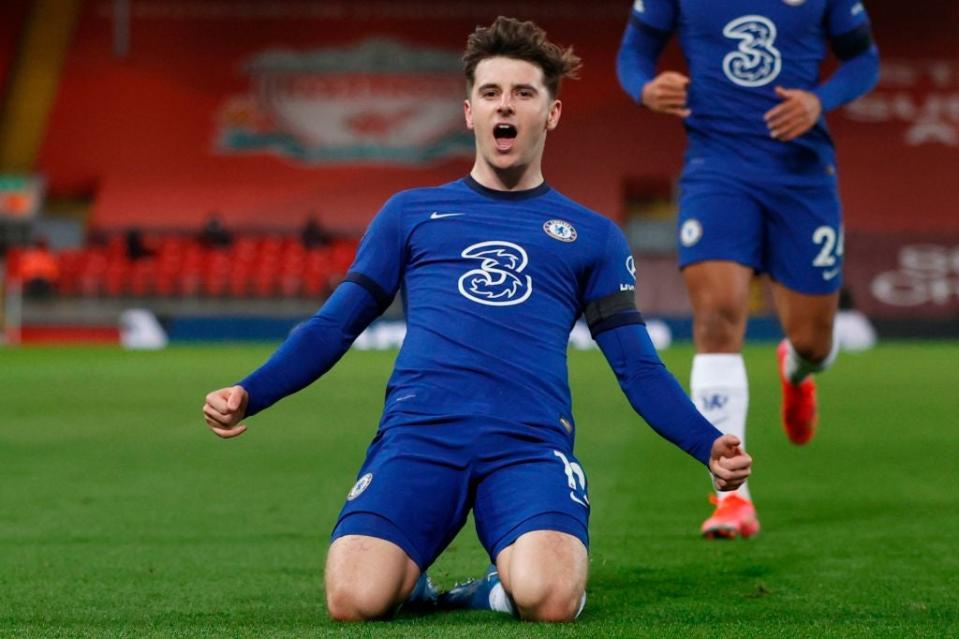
x=496 y=268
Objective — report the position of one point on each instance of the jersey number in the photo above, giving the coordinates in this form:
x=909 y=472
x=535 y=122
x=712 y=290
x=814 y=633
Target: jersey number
x=755 y=62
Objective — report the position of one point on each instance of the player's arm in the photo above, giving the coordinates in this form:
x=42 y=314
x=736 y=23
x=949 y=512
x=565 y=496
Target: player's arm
x=856 y=75
x=858 y=71
x=619 y=329
x=647 y=32
x=655 y=394
x=310 y=351
x=317 y=344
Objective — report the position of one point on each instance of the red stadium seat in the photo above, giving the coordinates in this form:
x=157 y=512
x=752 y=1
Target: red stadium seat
x=114 y=282
x=70 y=261
x=255 y=265
x=240 y=277
x=93 y=266
x=142 y=280
x=116 y=246
x=265 y=278
x=189 y=279
x=165 y=284
x=342 y=254
x=317 y=270
x=13 y=263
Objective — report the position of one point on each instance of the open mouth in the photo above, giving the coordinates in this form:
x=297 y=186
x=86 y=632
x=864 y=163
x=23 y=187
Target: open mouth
x=505 y=135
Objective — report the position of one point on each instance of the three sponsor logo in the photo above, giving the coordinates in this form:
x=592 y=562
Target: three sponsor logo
x=499 y=280
x=756 y=61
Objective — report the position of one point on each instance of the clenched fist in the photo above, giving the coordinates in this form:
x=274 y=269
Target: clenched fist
x=729 y=464
x=224 y=409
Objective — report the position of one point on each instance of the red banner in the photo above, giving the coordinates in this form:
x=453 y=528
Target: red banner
x=905 y=276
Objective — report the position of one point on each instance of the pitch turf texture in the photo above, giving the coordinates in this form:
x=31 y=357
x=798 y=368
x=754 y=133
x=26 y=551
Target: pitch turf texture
x=120 y=515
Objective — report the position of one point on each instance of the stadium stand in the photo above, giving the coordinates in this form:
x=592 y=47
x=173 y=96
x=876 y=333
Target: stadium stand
x=256 y=265
x=12 y=16
x=264 y=129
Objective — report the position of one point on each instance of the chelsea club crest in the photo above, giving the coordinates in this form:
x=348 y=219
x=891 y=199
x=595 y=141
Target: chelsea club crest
x=361 y=485
x=560 y=230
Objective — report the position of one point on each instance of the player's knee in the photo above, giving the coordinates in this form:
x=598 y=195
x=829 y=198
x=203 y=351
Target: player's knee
x=355 y=602
x=542 y=600
x=813 y=342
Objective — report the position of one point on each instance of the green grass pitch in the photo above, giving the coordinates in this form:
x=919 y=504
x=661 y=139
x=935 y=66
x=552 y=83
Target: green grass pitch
x=120 y=515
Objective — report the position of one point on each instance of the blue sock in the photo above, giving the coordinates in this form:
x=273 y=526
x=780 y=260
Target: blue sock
x=486 y=593
x=424 y=595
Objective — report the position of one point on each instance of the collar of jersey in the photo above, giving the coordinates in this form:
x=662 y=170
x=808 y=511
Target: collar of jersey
x=536 y=191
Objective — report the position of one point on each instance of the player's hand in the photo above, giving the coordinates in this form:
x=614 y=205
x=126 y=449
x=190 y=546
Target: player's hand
x=224 y=409
x=666 y=93
x=797 y=113
x=729 y=464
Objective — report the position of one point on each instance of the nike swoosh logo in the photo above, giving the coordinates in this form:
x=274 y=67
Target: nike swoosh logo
x=579 y=501
x=436 y=216
x=828 y=275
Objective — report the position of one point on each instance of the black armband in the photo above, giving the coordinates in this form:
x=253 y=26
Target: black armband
x=658 y=34
x=612 y=311
x=383 y=299
x=852 y=43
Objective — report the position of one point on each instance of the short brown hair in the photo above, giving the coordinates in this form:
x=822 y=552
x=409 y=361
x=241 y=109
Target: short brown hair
x=512 y=38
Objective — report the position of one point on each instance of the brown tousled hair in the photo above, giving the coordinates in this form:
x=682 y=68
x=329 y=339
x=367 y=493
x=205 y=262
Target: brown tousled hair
x=512 y=38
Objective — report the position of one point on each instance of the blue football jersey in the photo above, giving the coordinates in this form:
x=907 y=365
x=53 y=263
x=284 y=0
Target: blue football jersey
x=738 y=52
x=492 y=284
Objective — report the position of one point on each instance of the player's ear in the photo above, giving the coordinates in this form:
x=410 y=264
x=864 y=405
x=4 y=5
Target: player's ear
x=468 y=114
x=555 y=111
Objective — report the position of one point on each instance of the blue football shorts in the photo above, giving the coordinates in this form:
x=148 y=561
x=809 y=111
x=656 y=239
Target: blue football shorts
x=422 y=475
x=792 y=233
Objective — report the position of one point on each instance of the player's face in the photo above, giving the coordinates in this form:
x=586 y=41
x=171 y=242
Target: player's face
x=510 y=110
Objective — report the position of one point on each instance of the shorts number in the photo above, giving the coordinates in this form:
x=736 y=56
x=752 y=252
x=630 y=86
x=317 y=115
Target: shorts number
x=575 y=479
x=825 y=237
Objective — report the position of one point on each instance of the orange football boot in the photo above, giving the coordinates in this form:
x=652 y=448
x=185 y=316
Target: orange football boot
x=799 y=411
x=733 y=517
